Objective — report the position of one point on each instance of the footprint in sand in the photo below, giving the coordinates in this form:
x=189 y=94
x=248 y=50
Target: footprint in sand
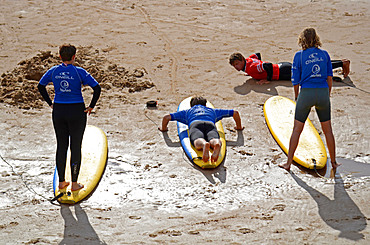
x=279 y=207
x=246 y=230
x=134 y=217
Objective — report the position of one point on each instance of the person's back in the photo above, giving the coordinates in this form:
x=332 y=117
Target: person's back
x=201 y=113
x=67 y=81
x=311 y=67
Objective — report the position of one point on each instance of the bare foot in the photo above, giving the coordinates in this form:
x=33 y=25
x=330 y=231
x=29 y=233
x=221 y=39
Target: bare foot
x=346 y=69
x=333 y=171
x=63 y=184
x=76 y=186
x=285 y=166
x=334 y=165
x=206 y=152
x=216 y=152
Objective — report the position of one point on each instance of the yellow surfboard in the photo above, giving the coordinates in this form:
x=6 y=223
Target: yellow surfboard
x=93 y=162
x=193 y=154
x=279 y=115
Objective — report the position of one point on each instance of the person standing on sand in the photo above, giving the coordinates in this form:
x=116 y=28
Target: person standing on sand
x=265 y=72
x=69 y=112
x=312 y=71
x=201 y=120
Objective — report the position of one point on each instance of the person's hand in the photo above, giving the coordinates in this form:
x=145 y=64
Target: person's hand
x=239 y=128
x=162 y=130
x=88 y=110
x=260 y=82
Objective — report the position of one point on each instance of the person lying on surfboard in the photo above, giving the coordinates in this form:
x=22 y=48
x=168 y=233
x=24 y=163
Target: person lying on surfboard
x=201 y=121
x=312 y=71
x=69 y=111
x=265 y=72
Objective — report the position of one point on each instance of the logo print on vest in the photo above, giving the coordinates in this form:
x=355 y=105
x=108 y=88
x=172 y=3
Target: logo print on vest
x=64 y=85
x=316 y=71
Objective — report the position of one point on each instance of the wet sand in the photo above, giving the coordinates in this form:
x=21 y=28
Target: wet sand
x=150 y=192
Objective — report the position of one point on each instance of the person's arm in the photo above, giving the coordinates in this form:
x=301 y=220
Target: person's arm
x=44 y=94
x=329 y=69
x=296 y=91
x=254 y=56
x=296 y=74
x=166 y=119
x=96 y=95
x=238 y=121
x=330 y=83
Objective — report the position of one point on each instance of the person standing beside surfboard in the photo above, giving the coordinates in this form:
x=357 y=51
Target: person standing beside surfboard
x=69 y=112
x=201 y=121
x=312 y=71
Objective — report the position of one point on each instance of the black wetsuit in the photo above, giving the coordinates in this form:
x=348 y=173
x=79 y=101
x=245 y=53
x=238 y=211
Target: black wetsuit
x=69 y=120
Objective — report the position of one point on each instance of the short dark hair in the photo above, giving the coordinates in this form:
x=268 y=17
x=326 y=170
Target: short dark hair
x=66 y=52
x=236 y=56
x=198 y=100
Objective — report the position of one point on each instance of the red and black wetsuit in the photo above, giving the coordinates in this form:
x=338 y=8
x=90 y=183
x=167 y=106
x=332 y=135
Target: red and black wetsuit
x=259 y=70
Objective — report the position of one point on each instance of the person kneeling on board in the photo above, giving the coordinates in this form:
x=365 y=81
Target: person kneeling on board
x=69 y=111
x=201 y=121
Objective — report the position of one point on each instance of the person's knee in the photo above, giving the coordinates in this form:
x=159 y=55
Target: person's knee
x=298 y=127
x=326 y=127
x=328 y=132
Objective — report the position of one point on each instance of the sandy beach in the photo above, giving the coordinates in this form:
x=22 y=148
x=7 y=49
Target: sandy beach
x=166 y=51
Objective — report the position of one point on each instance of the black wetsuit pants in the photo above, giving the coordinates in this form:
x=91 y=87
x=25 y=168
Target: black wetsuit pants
x=69 y=124
x=285 y=70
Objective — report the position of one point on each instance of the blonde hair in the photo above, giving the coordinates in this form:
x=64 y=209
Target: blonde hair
x=309 y=38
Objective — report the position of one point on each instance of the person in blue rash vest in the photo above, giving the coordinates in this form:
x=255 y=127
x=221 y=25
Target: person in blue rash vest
x=201 y=121
x=69 y=111
x=312 y=71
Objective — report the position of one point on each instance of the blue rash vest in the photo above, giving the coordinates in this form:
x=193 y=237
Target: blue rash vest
x=311 y=68
x=200 y=113
x=67 y=81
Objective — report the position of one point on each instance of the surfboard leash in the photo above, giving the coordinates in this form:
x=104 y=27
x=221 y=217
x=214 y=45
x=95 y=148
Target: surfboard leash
x=156 y=124
x=56 y=197
x=353 y=86
x=150 y=118
x=314 y=167
x=25 y=183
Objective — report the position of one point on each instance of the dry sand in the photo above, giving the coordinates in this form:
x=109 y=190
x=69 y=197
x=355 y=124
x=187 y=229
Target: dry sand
x=150 y=193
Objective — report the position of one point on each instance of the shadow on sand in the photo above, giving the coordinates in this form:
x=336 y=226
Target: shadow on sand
x=78 y=230
x=341 y=213
x=270 y=88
